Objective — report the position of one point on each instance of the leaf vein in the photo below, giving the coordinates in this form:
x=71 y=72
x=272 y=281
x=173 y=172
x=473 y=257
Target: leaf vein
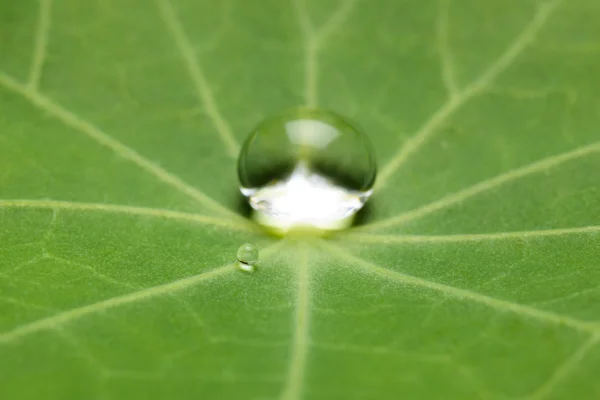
x=41 y=43
x=65 y=317
x=128 y=210
x=198 y=77
x=476 y=237
x=314 y=39
x=487 y=185
x=59 y=320
x=562 y=372
x=299 y=351
x=74 y=121
x=463 y=294
x=444 y=50
x=454 y=103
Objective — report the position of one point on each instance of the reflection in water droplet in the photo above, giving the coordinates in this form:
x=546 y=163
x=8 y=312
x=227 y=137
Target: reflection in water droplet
x=247 y=256
x=306 y=168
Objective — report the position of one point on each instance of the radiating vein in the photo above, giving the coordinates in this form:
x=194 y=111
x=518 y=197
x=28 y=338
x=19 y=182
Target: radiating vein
x=476 y=237
x=65 y=317
x=59 y=320
x=563 y=371
x=447 y=61
x=563 y=299
x=41 y=43
x=301 y=12
x=310 y=52
x=74 y=121
x=311 y=72
x=127 y=210
x=336 y=20
x=487 y=185
x=201 y=84
x=463 y=294
x=313 y=39
x=454 y=103
x=301 y=341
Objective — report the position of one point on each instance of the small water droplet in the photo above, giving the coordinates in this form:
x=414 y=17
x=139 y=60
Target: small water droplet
x=247 y=255
x=306 y=168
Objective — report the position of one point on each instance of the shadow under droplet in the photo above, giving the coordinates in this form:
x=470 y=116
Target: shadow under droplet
x=241 y=205
x=364 y=215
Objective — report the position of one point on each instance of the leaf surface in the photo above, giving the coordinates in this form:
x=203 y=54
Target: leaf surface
x=473 y=274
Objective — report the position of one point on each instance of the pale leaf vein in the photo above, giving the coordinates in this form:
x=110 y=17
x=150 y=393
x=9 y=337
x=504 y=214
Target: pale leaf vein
x=127 y=210
x=475 y=237
x=313 y=39
x=198 y=76
x=566 y=368
x=40 y=44
x=301 y=340
x=74 y=121
x=444 y=50
x=464 y=294
x=59 y=320
x=454 y=103
x=168 y=289
x=487 y=185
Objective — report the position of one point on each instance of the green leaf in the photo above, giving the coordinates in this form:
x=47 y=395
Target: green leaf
x=473 y=274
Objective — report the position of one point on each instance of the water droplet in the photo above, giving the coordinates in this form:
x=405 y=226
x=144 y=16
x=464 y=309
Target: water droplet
x=306 y=168
x=247 y=256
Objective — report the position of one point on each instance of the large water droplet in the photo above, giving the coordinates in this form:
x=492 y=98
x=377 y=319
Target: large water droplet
x=247 y=256
x=306 y=168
